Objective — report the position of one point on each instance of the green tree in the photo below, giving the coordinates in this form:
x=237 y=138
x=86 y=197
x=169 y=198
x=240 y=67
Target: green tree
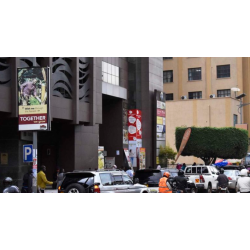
x=165 y=154
x=209 y=143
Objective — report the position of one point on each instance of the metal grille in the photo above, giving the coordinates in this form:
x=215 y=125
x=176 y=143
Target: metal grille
x=194 y=74
x=168 y=76
x=223 y=71
x=223 y=92
x=195 y=95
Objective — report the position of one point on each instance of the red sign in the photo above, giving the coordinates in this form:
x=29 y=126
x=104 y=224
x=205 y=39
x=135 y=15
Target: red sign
x=161 y=112
x=134 y=125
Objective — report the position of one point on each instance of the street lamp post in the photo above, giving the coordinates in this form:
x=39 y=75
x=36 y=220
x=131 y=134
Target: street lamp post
x=239 y=97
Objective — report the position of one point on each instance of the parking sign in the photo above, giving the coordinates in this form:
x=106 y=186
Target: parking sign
x=28 y=153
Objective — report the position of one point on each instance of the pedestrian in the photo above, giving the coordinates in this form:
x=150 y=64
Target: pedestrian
x=27 y=182
x=164 y=186
x=130 y=172
x=131 y=156
x=159 y=167
x=42 y=180
x=60 y=177
x=183 y=167
x=178 y=166
x=244 y=181
x=194 y=164
x=8 y=187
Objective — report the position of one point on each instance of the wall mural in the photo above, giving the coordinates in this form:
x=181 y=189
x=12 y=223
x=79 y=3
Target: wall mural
x=4 y=71
x=84 y=79
x=61 y=76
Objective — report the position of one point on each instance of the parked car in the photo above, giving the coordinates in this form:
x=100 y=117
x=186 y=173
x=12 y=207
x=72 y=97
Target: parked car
x=233 y=176
x=100 y=182
x=204 y=177
x=150 y=178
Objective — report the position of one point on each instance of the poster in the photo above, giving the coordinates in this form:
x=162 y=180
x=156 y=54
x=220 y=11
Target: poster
x=134 y=125
x=125 y=136
x=161 y=105
x=100 y=158
x=4 y=159
x=109 y=162
x=159 y=120
x=142 y=158
x=161 y=112
x=126 y=152
x=33 y=98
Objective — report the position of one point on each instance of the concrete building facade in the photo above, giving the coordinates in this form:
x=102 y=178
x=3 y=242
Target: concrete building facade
x=89 y=100
x=199 y=93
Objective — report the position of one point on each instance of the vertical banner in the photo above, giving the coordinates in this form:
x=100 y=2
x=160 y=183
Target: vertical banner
x=126 y=152
x=100 y=158
x=159 y=124
x=142 y=158
x=33 y=98
x=184 y=141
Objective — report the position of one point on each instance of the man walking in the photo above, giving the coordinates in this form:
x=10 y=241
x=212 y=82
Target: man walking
x=42 y=180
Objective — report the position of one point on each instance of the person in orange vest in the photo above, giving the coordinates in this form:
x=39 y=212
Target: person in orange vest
x=164 y=186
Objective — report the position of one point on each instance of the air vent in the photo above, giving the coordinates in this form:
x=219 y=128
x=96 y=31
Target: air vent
x=212 y=96
x=183 y=97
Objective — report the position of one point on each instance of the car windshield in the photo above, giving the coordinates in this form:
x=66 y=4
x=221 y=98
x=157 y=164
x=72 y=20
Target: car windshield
x=145 y=176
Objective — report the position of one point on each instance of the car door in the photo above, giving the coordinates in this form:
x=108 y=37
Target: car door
x=130 y=185
x=119 y=185
x=107 y=184
x=213 y=177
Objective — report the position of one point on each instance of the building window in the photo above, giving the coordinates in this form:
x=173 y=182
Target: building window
x=195 y=95
x=168 y=76
x=167 y=58
x=169 y=97
x=194 y=74
x=235 y=120
x=110 y=73
x=223 y=71
x=224 y=93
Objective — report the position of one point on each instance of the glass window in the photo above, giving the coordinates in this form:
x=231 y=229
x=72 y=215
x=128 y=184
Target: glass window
x=109 y=68
x=104 y=67
x=117 y=81
x=151 y=175
x=224 y=92
x=118 y=180
x=116 y=71
x=106 y=179
x=169 y=97
x=167 y=58
x=188 y=170
x=223 y=71
x=110 y=73
x=113 y=79
x=127 y=180
x=168 y=76
x=195 y=95
x=193 y=170
x=198 y=170
x=204 y=170
x=235 y=120
x=194 y=74
x=105 y=77
x=109 y=78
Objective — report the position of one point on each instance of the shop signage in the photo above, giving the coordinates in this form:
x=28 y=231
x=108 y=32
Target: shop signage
x=159 y=120
x=33 y=98
x=161 y=105
x=161 y=112
x=126 y=152
x=100 y=158
x=28 y=153
x=142 y=158
x=134 y=125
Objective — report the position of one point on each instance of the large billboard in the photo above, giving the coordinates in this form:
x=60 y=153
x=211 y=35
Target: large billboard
x=33 y=98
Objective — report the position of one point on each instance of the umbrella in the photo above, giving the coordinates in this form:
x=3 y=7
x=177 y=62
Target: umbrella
x=221 y=164
x=220 y=160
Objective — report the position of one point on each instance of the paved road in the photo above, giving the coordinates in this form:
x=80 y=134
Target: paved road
x=50 y=190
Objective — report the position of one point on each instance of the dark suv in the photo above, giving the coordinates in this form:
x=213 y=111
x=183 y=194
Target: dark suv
x=150 y=178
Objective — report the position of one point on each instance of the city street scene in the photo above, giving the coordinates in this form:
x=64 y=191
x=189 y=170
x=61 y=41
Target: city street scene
x=124 y=125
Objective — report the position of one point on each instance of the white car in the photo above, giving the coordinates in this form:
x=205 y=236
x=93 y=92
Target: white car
x=204 y=177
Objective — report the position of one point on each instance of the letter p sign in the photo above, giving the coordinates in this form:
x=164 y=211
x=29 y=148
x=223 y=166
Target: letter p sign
x=27 y=153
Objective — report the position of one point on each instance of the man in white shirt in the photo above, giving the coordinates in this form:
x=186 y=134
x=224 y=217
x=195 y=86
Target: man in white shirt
x=244 y=181
x=130 y=172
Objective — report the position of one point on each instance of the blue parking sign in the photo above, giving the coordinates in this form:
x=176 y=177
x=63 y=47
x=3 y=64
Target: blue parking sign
x=28 y=153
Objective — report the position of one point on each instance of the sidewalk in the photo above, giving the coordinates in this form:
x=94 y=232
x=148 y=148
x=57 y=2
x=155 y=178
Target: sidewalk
x=50 y=190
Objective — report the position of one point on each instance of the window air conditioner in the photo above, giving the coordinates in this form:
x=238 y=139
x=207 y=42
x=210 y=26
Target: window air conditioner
x=212 y=96
x=183 y=97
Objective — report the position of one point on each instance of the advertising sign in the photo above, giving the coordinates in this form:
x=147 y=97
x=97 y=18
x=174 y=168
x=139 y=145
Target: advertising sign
x=100 y=158
x=184 y=142
x=142 y=158
x=134 y=125
x=33 y=98
x=125 y=136
x=109 y=162
x=161 y=105
x=161 y=112
x=28 y=153
x=126 y=152
x=159 y=120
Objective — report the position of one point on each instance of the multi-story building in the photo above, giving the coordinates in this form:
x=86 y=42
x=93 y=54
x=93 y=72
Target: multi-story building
x=199 y=93
x=90 y=98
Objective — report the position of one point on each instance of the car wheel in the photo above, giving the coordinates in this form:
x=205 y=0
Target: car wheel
x=75 y=188
x=209 y=188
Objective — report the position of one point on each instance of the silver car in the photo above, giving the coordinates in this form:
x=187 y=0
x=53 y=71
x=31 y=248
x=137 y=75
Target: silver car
x=100 y=182
x=233 y=176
